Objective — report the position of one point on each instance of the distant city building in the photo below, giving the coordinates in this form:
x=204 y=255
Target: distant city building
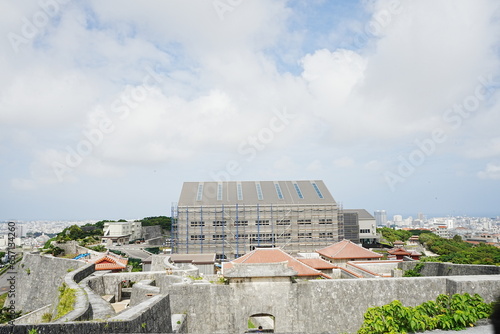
x=442 y=231
x=233 y=218
x=398 y=220
x=5 y=241
x=381 y=217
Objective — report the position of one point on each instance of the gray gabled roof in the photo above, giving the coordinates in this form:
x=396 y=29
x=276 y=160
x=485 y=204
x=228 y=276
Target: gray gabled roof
x=362 y=213
x=255 y=192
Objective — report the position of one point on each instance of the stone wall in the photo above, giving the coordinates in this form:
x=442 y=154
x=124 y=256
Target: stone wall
x=152 y=316
x=34 y=317
x=142 y=291
x=384 y=267
x=106 y=284
x=363 y=272
x=155 y=241
x=82 y=309
x=450 y=269
x=71 y=247
x=151 y=232
x=38 y=279
x=316 y=306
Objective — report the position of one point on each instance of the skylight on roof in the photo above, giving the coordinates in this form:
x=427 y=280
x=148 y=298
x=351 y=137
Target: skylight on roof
x=219 y=191
x=239 y=191
x=278 y=190
x=315 y=186
x=259 y=191
x=199 y=196
x=297 y=189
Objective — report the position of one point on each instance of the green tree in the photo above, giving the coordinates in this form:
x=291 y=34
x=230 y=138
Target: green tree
x=163 y=221
x=393 y=235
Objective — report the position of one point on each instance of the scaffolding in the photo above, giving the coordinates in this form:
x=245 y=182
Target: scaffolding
x=233 y=230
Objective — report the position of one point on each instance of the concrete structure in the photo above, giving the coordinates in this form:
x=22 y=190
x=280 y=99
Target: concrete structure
x=351 y=225
x=121 y=232
x=204 y=262
x=367 y=227
x=233 y=218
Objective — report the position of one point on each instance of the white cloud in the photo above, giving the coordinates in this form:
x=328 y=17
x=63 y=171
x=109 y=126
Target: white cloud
x=492 y=171
x=221 y=81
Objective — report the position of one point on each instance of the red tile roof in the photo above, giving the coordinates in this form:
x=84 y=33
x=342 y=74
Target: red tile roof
x=109 y=262
x=275 y=255
x=398 y=251
x=346 y=249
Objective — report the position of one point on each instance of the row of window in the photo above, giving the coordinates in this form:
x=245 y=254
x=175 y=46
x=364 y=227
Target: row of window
x=322 y=235
x=365 y=230
x=278 y=210
x=262 y=222
x=262 y=236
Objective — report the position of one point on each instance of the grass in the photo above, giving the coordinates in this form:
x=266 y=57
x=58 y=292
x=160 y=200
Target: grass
x=47 y=317
x=3 y=297
x=67 y=298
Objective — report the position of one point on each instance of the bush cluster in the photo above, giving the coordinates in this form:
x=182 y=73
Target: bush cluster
x=449 y=313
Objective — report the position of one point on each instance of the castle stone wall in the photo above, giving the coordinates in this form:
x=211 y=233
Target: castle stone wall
x=317 y=306
x=450 y=269
x=38 y=279
x=152 y=316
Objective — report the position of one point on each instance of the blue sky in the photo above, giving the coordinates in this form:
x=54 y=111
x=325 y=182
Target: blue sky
x=107 y=107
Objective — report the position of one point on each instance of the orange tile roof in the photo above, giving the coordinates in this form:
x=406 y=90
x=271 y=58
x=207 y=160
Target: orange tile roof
x=317 y=263
x=346 y=249
x=109 y=262
x=399 y=251
x=275 y=255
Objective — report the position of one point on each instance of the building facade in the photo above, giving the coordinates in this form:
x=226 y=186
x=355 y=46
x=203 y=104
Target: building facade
x=121 y=232
x=233 y=218
x=367 y=236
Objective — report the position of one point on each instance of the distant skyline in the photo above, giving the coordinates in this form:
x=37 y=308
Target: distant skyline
x=106 y=108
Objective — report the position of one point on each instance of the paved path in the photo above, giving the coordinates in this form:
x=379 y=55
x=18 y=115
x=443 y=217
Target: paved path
x=133 y=251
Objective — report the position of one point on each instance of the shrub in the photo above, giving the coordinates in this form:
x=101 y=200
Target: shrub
x=449 y=313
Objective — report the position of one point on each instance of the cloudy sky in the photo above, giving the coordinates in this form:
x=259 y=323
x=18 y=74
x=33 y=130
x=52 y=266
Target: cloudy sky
x=107 y=107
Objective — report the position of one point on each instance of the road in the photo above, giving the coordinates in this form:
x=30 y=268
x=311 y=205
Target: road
x=133 y=251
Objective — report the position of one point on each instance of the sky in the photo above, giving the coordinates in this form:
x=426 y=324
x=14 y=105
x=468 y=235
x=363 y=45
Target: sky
x=107 y=107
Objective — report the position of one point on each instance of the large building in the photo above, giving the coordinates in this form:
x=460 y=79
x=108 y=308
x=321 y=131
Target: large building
x=122 y=231
x=367 y=225
x=233 y=218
